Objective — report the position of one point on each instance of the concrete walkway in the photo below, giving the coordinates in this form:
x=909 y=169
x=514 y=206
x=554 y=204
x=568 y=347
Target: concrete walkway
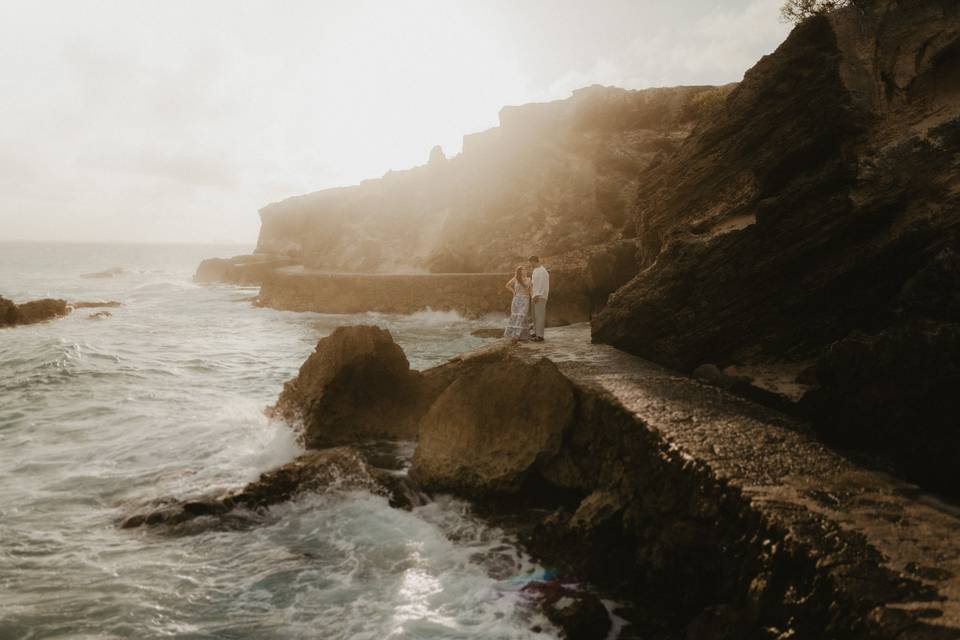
x=875 y=537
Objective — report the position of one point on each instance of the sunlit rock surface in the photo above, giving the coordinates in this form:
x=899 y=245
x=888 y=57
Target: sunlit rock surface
x=553 y=179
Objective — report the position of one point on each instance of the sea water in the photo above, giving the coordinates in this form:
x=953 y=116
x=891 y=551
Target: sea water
x=165 y=398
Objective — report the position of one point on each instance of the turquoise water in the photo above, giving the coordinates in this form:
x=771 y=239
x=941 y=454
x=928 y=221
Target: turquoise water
x=166 y=398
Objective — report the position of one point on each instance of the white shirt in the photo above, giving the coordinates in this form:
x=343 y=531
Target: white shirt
x=541 y=283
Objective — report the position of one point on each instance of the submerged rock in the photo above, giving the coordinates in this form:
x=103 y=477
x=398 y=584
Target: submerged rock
x=12 y=314
x=321 y=471
x=817 y=204
x=100 y=315
x=488 y=332
x=95 y=304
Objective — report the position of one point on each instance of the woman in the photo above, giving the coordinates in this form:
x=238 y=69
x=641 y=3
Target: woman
x=519 y=326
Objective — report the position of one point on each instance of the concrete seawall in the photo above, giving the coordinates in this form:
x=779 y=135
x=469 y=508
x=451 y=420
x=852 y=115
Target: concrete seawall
x=470 y=294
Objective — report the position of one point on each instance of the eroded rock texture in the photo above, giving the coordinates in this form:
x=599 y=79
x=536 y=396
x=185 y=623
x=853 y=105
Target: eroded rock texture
x=812 y=217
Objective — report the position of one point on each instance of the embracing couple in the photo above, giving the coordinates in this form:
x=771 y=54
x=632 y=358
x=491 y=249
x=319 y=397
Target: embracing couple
x=530 y=289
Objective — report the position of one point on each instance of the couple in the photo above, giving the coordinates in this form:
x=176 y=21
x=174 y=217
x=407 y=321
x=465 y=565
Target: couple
x=525 y=295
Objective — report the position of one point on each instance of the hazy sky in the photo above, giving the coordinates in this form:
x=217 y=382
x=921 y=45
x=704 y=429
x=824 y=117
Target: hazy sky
x=176 y=120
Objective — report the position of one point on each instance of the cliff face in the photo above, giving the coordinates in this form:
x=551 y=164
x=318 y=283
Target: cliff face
x=554 y=179
x=811 y=220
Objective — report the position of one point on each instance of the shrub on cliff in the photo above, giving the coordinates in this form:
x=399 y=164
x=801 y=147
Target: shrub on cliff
x=796 y=11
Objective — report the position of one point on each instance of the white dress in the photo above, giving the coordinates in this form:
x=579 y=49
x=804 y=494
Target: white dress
x=519 y=324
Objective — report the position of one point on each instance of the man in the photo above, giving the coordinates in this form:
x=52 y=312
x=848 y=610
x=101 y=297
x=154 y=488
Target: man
x=541 y=290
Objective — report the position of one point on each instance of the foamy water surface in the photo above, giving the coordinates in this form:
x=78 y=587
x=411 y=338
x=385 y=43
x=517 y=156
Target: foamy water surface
x=166 y=398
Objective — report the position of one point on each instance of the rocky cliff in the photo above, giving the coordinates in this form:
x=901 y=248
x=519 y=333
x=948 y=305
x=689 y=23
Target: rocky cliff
x=554 y=179
x=809 y=227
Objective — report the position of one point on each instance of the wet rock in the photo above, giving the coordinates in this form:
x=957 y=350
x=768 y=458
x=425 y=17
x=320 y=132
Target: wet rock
x=356 y=385
x=95 y=304
x=580 y=614
x=596 y=511
x=12 y=314
x=492 y=425
x=100 y=315
x=340 y=468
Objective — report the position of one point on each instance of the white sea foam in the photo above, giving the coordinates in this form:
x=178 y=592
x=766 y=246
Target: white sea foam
x=166 y=398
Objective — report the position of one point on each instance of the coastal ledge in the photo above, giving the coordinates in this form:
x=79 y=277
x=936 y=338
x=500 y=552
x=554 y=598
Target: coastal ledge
x=734 y=506
x=470 y=294
x=724 y=518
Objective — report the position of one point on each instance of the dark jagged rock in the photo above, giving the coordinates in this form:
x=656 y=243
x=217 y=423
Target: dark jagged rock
x=12 y=314
x=579 y=614
x=819 y=204
x=321 y=471
x=247 y=269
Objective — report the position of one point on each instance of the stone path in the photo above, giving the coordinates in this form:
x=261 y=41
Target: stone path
x=794 y=482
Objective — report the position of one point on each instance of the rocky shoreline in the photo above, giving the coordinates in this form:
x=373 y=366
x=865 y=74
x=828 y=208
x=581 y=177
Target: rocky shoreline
x=730 y=518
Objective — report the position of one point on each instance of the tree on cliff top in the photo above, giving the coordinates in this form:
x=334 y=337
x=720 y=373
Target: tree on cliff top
x=797 y=11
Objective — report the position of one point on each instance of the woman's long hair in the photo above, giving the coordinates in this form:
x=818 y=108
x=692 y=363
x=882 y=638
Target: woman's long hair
x=518 y=275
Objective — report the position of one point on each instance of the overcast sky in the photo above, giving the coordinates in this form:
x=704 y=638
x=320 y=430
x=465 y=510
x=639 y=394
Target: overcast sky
x=175 y=120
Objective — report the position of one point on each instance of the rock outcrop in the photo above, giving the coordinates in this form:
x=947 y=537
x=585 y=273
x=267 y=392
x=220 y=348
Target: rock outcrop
x=12 y=314
x=555 y=179
x=247 y=269
x=812 y=217
x=334 y=469
x=356 y=385
x=725 y=518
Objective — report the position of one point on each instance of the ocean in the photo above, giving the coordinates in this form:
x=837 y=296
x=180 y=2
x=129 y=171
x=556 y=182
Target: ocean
x=166 y=398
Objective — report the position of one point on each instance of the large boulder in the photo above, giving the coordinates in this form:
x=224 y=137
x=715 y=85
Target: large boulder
x=30 y=312
x=356 y=385
x=493 y=425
